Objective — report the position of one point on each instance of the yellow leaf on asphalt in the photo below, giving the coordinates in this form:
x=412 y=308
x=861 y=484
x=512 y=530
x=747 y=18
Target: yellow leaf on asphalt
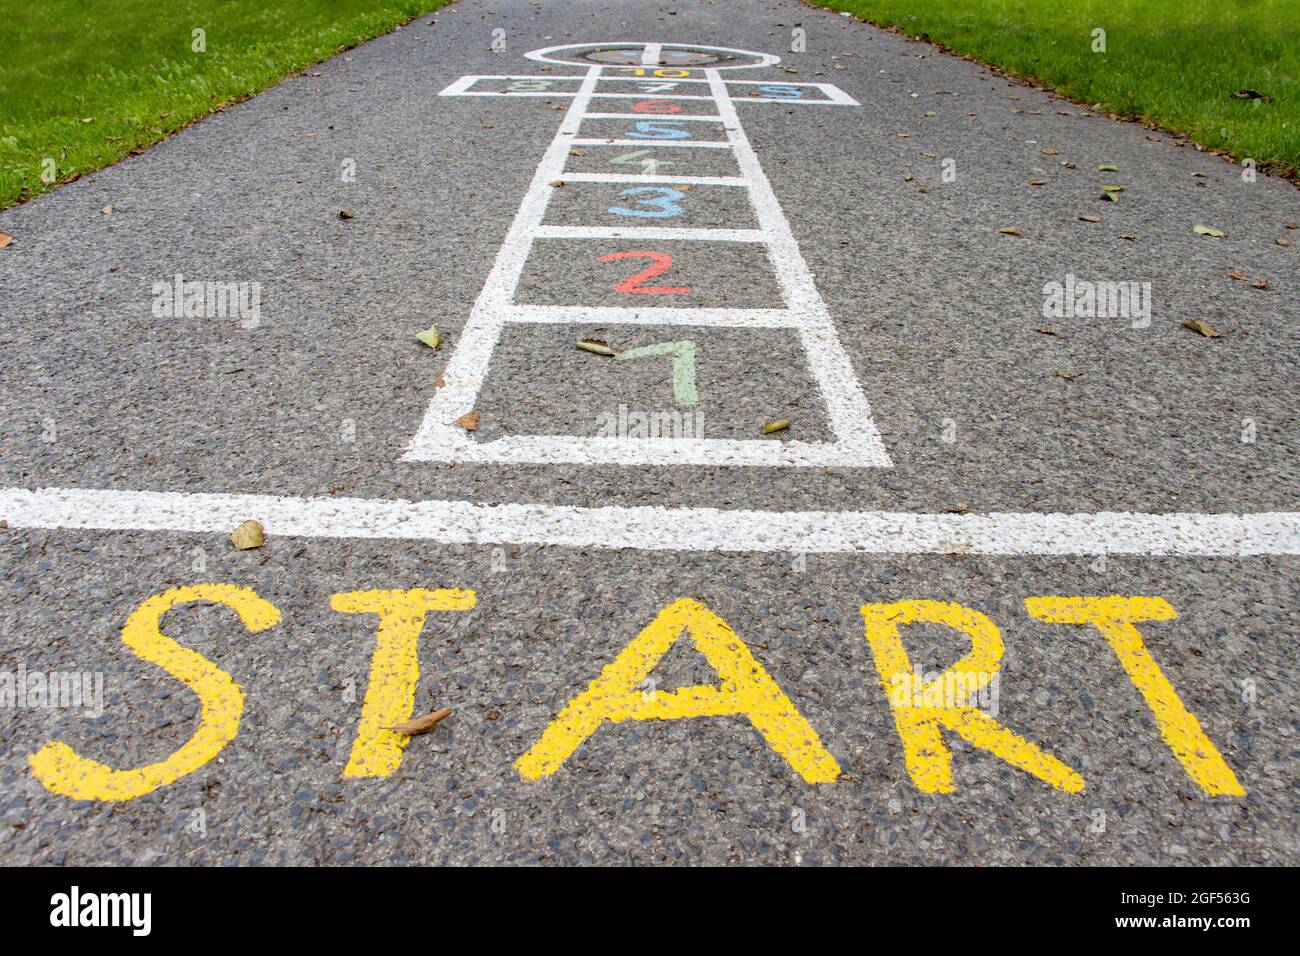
x=1107 y=169
x=5 y=239
x=468 y=421
x=1090 y=217
x=248 y=535
x=775 y=425
x=596 y=346
x=421 y=725
x=1196 y=325
x=1207 y=231
x=1010 y=231
x=1038 y=182
x=430 y=337
x=1049 y=150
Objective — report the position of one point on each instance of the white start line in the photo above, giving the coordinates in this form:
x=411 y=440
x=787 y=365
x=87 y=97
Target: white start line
x=856 y=440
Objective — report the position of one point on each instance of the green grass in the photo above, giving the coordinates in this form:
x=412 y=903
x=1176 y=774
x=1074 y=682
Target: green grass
x=86 y=82
x=1175 y=63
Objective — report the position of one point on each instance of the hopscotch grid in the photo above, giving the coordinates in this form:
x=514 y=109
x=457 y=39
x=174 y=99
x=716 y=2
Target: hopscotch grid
x=857 y=441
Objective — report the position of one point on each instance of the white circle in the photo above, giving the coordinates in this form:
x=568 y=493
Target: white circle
x=544 y=55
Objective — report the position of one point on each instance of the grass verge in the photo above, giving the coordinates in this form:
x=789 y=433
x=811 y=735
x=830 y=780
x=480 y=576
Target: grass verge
x=84 y=84
x=1179 y=64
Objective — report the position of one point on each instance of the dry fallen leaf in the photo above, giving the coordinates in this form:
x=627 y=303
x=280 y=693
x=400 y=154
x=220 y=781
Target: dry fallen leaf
x=107 y=210
x=957 y=509
x=345 y=213
x=250 y=534
x=1011 y=231
x=1107 y=169
x=430 y=337
x=1237 y=274
x=421 y=725
x=1259 y=284
x=1050 y=151
x=1196 y=325
x=596 y=346
x=557 y=182
x=1046 y=331
x=1207 y=231
x=1090 y=217
x=5 y=239
x=1037 y=182
x=468 y=421
x=1109 y=197
x=1280 y=242
x=775 y=425
x=1068 y=376
x=574 y=151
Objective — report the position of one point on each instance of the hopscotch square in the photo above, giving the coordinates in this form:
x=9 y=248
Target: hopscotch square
x=560 y=390
x=663 y=201
x=718 y=275
x=604 y=159
x=674 y=132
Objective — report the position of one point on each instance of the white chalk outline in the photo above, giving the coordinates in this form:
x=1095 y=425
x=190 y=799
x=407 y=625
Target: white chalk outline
x=856 y=441
x=652 y=528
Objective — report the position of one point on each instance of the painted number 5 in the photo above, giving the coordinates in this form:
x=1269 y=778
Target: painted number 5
x=660 y=263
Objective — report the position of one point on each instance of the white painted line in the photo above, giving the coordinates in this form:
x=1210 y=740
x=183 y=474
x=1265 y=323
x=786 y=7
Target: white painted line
x=650 y=55
x=469 y=362
x=649 y=232
x=657 y=117
x=642 y=178
x=649 y=96
x=654 y=315
x=846 y=405
x=677 y=143
x=662 y=529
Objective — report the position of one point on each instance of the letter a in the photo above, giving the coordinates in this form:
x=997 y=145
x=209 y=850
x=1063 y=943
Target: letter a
x=746 y=688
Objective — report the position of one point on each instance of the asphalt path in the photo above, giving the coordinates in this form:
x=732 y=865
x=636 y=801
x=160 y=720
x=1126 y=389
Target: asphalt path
x=949 y=444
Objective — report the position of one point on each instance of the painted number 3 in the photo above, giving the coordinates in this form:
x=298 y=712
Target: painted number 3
x=660 y=202
x=660 y=263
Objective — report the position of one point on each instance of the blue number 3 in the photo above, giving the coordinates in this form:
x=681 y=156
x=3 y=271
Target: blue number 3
x=661 y=202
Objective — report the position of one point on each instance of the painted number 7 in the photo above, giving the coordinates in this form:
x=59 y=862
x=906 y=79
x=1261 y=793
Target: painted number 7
x=661 y=262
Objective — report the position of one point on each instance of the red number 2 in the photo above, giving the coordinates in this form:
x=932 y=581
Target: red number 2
x=661 y=263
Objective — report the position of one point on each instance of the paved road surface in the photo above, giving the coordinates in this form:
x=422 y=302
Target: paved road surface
x=814 y=240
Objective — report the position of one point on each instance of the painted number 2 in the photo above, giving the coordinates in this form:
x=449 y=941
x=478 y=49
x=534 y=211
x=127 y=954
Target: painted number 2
x=660 y=263
x=660 y=202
